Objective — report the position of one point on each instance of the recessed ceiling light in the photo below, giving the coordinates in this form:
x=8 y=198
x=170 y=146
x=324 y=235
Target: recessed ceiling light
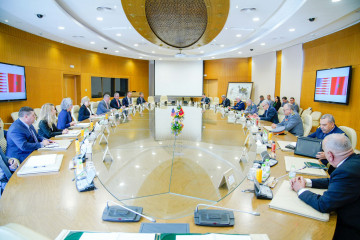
x=212 y=57
x=226 y=28
x=129 y=27
x=262 y=44
x=118 y=34
x=239 y=52
x=152 y=51
x=6 y=20
x=136 y=44
x=214 y=40
x=160 y=58
x=62 y=41
x=291 y=29
x=92 y=42
x=61 y=28
x=237 y=6
x=115 y=6
x=201 y=51
x=222 y=45
x=238 y=35
x=116 y=50
x=140 y=57
x=199 y=58
x=335 y=0
x=255 y=19
x=99 y=18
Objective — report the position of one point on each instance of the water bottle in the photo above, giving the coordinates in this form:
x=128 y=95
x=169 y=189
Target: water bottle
x=265 y=136
x=264 y=173
x=267 y=163
x=292 y=173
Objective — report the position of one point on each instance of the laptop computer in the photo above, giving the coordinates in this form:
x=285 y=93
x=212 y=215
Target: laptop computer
x=308 y=147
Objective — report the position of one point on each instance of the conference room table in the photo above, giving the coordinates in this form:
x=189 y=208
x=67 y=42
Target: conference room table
x=167 y=175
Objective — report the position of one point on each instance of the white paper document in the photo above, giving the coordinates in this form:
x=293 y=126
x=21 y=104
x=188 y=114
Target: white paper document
x=71 y=133
x=41 y=164
x=300 y=162
x=213 y=236
x=59 y=145
x=283 y=144
x=117 y=236
x=41 y=160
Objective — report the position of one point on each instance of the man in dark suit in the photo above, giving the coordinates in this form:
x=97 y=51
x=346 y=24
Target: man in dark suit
x=140 y=99
x=22 y=138
x=225 y=101
x=343 y=194
x=205 y=100
x=115 y=102
x=270 y=113
x=127 y=101
x=240 y=105
x=104 y=105
x=7 y=167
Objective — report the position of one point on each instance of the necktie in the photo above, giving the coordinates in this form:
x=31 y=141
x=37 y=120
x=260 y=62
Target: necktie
x=5 y=168
x=33 y=135
x=107 y=107
x=117 y=102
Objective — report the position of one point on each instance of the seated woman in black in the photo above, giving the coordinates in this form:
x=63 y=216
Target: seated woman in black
x=47 y=124
x=277 y=103
x=85 y=112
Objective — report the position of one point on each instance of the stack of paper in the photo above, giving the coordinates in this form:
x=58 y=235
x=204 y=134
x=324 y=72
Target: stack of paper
x=41 y=164
x=82 y=125
x=59 y=145
x=283 y=144
x=300 y=162
x=287 y=200
x=70 y=134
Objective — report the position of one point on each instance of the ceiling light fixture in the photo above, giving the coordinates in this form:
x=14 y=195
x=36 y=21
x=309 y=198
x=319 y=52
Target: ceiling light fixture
x=180 y=55
x=292 y=30
x=262 y=44
x=222 y=45
x=255 y=19
x=212 y=57
x=335 y=1
x=160 y=58
x=61 y=28
x=239 y=52
x=116 y=51
x=201 y=51
x=62 y=41
x=118 y=34
x=136 y=45
x=99 y=18
x=238 y=35
x=152 y=51
x=237 y=6
x=247 y=10
x=92 y=42
x=142 y=57
x=6 y=20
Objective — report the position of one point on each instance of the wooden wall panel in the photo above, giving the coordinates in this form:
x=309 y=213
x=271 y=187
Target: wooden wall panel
x=278 y=75
x=47 y=61
x=338 y=49
x=227 y=70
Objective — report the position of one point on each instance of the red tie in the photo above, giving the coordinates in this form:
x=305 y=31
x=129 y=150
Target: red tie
x=117 y=103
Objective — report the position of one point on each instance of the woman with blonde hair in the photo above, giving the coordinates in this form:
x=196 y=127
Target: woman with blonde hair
x=85 y=112
x=47 y=124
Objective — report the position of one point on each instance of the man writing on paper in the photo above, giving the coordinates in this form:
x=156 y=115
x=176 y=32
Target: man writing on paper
x=343 y=194
x=292 y=121
x=270 y=113
x=22 y=138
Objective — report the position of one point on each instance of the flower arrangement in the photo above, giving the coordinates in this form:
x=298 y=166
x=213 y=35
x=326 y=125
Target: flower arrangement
x=176 y=123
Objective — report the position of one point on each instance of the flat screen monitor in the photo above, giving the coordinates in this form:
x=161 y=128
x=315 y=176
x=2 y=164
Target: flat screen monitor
x=333 y=85
x=12 y=82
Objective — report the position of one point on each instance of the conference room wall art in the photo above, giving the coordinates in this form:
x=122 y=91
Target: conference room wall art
x=239 y=89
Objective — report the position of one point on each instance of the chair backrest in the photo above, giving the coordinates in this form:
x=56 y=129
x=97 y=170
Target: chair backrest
x=3 y=143
x=36 y=124
x=307 y=111
x=300 y=111
x=315 y=118
x=151 y=99
x=261 y=111
x=163 y=99
x=37 y=112
x=75 y=112
x=216 y=100
x=351 y=133
x=307 y=123
x=94 y=107
x=211 y=100
x=188 y=99
x=281 y=111
x=14 y=116
x=58 y=109
x=134 y=99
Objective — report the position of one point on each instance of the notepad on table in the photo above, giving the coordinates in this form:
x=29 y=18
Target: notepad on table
x=41 y=164
x=70 y=134
x=300 y=162
x=81 y=125
x=59 y=145
x=283 y=144
x=269 y=128
x=287 y=200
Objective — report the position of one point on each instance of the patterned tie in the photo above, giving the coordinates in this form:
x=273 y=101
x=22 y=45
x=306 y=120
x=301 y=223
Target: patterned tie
x=33 y=135
x=117 y=101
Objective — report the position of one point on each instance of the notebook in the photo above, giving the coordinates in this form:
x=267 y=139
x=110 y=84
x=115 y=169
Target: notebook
x=41 y=164
x=287 y=200
x=70 y=134
x=81 y=125
x=59 y=145
x=283 y=144
x=300 y=162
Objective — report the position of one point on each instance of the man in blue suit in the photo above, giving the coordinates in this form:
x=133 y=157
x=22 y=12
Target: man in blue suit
x=7 y=167
x=22 y=138
x=205 y=100
x=225 y=101
x=127 y=101
x=343 y=194
x=270 y=113
x=251 y=107
x=140 y=100
x=240 y=105
x=115 y=102
x=104 y=105
x=292 y=121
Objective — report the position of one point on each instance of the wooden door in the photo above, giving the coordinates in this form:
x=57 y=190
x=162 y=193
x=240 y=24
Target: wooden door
x=211 y=87
x=72 y=88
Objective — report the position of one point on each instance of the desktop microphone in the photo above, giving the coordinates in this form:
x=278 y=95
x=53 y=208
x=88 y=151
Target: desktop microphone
x=230 y=209
x=142 y=215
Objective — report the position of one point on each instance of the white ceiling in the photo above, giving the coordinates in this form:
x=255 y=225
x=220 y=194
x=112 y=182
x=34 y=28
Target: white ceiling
x=240 y=34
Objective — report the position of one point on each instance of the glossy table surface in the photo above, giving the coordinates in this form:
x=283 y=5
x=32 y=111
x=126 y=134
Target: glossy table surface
x=165 y=174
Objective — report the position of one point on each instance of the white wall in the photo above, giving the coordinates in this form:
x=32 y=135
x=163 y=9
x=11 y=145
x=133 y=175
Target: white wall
x=291 y=72
x=263 y=75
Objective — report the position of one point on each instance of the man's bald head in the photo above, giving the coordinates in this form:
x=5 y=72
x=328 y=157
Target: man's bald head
x=337 y=147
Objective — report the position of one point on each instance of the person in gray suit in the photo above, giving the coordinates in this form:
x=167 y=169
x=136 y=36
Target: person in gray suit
x=271 y=102
x=104 y=105
x=292 y=121
x=296 y=106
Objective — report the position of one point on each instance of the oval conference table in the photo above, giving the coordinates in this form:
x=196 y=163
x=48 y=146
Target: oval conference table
x=165 y=174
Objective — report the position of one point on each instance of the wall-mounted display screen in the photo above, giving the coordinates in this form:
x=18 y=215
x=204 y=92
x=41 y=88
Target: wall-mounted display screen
x=12 y=82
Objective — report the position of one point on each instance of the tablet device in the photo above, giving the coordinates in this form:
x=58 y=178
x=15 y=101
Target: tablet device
x=308 y=147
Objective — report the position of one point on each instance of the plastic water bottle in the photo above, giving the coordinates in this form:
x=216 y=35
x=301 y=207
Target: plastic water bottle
x=265 y=136
x=267 y=163
x=292 y=173
x=264 y=173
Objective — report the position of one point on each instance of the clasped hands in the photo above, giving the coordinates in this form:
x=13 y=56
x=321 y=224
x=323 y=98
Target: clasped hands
x=297 y=183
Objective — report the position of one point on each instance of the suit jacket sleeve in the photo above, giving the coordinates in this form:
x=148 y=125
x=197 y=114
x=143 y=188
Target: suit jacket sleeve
x=138 y=101
x=290 y=124
x=113 y=104
x=63 y=120
x=82 y=113
x=125 y=102
x=341 y=191
x=270 y=115
x=20 y=138
x=102 y=108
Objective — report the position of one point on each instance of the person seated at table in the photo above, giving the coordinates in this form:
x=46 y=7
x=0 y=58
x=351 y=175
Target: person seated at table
x=115 y=102
x=64 y=117
x=251 y=107
x=7 y=167
x=204 y=99
x=261 y=100
x=22 y=138
x=296 y=106
x=292 y=121
x=270 y=113
x=277 y=103
x=342 y=195
x=284 y=101
x=104 y=105
x=140 y=99
x=84 y=111
x=127 y=101
x=268 y=98
x=327 y=127
x=240 y=105
x=225 y=101
x=47 y=124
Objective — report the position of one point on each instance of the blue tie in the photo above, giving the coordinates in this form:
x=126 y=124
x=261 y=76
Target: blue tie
x=33 y=135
